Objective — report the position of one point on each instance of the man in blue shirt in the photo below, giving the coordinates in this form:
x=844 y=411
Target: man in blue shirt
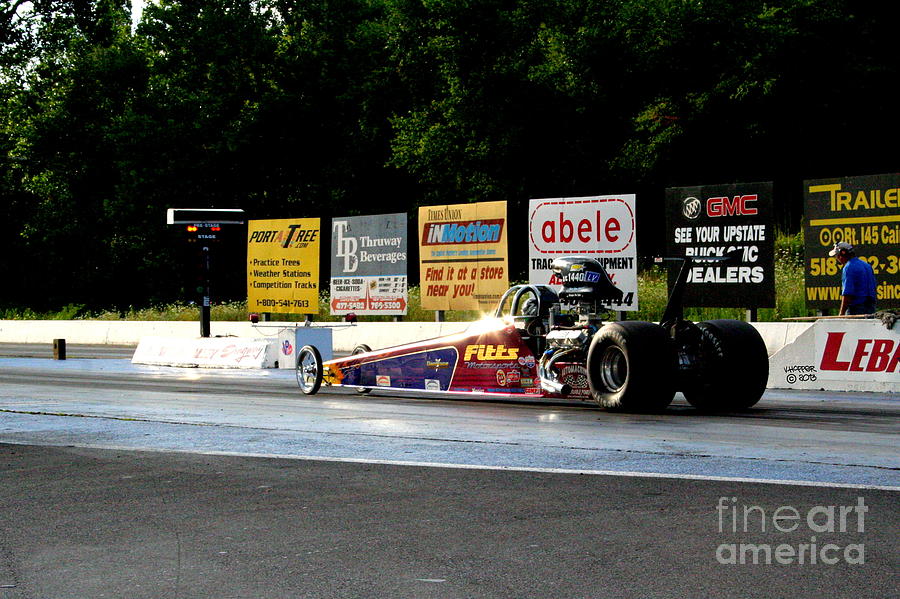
x=857 y=281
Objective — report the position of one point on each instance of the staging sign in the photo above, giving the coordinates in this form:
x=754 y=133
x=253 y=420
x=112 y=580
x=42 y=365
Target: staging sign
x=864 y=212
x=715 y=220
x=463 y=262
x=368 y=264
x=283 y=265
x=600 y=227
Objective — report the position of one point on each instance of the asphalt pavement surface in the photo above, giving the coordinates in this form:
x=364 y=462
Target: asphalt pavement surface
x=128 y=481
x=102 y=523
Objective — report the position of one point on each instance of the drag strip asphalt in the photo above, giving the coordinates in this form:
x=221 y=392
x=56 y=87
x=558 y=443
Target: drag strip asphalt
x=828 y=439
x=121 y=480
x=80 y=523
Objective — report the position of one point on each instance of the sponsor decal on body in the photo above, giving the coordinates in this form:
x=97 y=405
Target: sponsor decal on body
x=575 y=375
x=486 y=352
x=501 y=378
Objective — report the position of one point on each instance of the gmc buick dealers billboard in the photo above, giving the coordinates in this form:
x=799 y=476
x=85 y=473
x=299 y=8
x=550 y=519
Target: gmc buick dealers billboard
x=714 y=220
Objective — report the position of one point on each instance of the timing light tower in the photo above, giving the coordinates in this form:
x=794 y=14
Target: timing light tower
x=203 y=227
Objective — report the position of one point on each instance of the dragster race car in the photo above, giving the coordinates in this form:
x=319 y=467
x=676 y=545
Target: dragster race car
x=544 y=344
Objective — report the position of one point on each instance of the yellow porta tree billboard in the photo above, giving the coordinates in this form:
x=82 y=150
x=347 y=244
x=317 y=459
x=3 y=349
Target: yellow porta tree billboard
x=463 y=260
x=283 y=265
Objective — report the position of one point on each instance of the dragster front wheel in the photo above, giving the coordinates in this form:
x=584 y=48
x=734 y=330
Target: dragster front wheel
x=309 y=369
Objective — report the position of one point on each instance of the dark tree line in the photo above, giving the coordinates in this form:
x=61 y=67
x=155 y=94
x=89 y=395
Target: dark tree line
x=341 y=107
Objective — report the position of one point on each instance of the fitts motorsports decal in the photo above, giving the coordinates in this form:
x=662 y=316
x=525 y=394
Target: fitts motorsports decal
x=490 y=361
x=487 y=352
x=286 y=348
x=489 y=365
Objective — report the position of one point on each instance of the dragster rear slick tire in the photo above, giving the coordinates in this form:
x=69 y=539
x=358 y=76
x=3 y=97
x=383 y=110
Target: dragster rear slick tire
x=309 y=369
x=631 y=367
x=734 y=367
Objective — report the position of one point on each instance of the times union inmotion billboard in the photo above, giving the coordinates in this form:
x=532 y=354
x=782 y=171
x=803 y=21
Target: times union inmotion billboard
x=713 y=220
x=368 y=264
x=463 y=261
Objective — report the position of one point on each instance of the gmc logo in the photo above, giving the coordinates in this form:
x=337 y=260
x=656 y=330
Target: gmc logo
x=737 y=206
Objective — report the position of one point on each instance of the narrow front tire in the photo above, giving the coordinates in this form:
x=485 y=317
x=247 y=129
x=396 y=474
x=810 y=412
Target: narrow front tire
x=309 y=370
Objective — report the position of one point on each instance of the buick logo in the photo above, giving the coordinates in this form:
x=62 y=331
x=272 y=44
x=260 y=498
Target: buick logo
x=690 y=208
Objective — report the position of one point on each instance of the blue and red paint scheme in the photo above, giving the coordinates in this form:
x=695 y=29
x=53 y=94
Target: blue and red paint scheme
x=490 y=357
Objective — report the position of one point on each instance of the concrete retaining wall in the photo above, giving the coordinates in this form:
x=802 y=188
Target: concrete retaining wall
x=840 y=355
x=795 y=350
x=121 y=332
x=345 y=337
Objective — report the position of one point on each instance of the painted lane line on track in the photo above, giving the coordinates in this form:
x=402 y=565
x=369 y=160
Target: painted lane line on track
x=627 y=474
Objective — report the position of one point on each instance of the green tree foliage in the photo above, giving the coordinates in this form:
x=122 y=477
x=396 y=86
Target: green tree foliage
x=333 y=107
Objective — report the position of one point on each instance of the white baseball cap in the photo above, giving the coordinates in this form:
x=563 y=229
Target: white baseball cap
x=840 y=246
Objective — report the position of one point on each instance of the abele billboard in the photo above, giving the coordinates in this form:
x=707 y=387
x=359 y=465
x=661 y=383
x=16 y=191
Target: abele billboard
x=715 y=220
x=599 y=227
